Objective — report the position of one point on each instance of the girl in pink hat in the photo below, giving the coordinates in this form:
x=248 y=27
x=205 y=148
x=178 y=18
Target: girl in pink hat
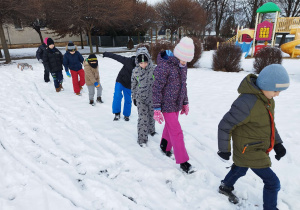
x=170 y=96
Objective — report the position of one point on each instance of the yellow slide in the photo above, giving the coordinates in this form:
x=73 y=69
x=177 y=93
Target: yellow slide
x=289 y=47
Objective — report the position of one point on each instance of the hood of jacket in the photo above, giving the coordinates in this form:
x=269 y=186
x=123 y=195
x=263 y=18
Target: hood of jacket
x=143 y=50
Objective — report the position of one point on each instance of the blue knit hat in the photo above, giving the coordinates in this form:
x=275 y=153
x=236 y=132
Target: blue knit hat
x=273 y=77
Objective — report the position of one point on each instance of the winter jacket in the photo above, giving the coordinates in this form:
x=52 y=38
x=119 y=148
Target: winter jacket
x=53 y=60
x=124 y=76
x=73 y=62
x=250 y=123
x=169 y=88
x=91 y=74
x=142 y=79
x=40 y=51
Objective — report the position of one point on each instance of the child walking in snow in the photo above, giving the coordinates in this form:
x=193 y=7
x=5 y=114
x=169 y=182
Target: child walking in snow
x=250 y=123
x=39 y=55
x=170 y=96
x=123 y=84
x=53 y=62
x=73 y=60
x=92 y=78
x=141 y=88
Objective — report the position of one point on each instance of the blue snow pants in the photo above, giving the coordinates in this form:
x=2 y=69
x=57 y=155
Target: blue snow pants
x=116 y=105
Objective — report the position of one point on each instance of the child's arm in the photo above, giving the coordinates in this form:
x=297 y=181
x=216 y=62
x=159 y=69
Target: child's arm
x=134 y=84
x=118 y=58
x=46 y=61
x=80 y=58
x=161 y=76
x=66 y=62
x=39 y=53
x=238 y=114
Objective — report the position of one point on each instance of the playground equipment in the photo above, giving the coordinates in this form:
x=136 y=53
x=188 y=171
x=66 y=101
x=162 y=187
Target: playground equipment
x=282 y=25
x=290 y=47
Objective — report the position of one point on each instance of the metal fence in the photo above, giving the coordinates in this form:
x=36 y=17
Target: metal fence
x=115 y=41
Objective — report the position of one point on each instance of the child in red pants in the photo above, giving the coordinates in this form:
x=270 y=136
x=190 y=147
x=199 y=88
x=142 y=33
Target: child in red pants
x=73 y=60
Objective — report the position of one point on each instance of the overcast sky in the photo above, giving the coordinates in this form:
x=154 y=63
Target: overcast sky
x=152 y=2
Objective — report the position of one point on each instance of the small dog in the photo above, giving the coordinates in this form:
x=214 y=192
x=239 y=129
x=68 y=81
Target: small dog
x=24 y=65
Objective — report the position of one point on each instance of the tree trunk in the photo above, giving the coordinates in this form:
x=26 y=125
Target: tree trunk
x=1 y=56
x=97 y=45
x=4 y=45
x=38 y=30
x=90 y=41
x=81 y=40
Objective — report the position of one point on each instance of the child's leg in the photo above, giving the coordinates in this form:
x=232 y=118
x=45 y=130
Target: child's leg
x=75 y=81
x=151 y=126
x=91 y=89
x=59 y=77
x=142 y=122
x=176 y=137
x=82 y=78
x=46 y=75
x=234 y=174
x=127 y=102
x=116 y=105
x=271 y=187
x=56 y=83
x=99 y=91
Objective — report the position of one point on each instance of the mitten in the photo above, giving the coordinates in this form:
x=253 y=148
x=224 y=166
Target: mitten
x=97 y=84
x=158 y=116
x=134 y=102
x=185 y=109
x=224 y=155
x=68 y=73
x=40 y=60
x=279 y=150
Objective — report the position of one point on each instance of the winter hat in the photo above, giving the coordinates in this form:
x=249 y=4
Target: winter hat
x=184 y=50
x=45 y=40
x=93 y=58
x=273 y=77
x=71 y=46
x=142 y=58
x=50 y=41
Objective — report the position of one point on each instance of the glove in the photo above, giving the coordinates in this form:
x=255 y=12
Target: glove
x=279 y=150
x=185 y=109
x=40 y=60
x=224 y=155
x=134 y=102
x=97 y=84
x=158 y=116
x=68 y=73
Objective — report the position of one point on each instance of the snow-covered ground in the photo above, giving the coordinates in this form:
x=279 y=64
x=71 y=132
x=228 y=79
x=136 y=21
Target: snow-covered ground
x=59 y=153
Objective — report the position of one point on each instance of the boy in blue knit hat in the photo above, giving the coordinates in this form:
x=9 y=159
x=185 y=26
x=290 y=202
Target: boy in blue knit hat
x=250 y=124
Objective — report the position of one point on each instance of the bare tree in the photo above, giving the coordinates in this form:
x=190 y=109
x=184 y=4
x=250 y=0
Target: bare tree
x=179 y=13
x=87 y=15
x=291 y=8
x=249 y=8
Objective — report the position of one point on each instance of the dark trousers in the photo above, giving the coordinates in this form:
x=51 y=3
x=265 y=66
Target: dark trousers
x=57 y=78
x=271 y=183
x=46 y=75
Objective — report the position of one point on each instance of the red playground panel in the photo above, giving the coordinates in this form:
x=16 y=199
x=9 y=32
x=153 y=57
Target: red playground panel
x=259 y=47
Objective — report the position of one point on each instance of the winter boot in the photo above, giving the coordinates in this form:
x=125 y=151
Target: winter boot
x=61 y=87
x=117 y=116
x=92 y=102
x=99 y=100
x=78 y=94
x=225 y=190
x=186 y=167
x=153 y=133
x=126 y=118
x=58 y=89
x=163 y=146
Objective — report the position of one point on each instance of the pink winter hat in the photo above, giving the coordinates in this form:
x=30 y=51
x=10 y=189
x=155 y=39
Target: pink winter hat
x=45 y=40
x=185 y=49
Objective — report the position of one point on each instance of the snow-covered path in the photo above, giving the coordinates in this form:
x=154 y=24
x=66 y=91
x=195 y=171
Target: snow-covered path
x=58 y=152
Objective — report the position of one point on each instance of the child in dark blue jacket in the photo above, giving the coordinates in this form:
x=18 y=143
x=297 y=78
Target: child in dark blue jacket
x=73 y=60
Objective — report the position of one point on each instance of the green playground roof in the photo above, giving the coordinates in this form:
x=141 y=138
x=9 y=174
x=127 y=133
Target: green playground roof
x=269 y=7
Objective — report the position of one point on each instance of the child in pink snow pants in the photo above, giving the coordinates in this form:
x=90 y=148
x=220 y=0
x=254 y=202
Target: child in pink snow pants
x=170 y=96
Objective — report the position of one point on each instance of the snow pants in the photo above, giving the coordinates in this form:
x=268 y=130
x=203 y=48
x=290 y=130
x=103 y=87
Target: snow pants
x=77 y=82
x=146 y=122
x=57 y=78
x=174 y=136
x=91 y=89
x=116 y=105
